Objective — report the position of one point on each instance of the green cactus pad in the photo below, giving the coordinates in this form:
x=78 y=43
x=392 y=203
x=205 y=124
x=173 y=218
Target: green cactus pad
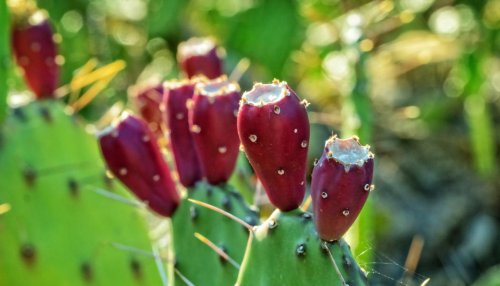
x=195 y=260
x=59 y=231
x=286 y=250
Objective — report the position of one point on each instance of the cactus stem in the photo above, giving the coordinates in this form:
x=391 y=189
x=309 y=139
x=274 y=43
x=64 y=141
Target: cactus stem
x=217 y=250
x=223 y=212
x=324 y=246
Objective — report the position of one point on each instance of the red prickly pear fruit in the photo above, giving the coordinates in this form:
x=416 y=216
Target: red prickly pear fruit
x=341 y=182
x=274 y=129
x=212 y=120
x=177 y=95
x=35 y=52
x=200 y=56
x=148 y=101
x=132 y=154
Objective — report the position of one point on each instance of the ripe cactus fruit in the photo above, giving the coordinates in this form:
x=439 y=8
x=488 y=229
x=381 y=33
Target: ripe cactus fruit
x=148 y=101
x=124 y=147
x=341 y=182
x=200 y=56
x=274 y=130
x=212 y=119
x=286 y=250
x=181 y=142
x=35 y=51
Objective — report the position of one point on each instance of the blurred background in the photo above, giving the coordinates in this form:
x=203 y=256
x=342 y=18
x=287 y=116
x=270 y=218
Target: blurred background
x=418 y=80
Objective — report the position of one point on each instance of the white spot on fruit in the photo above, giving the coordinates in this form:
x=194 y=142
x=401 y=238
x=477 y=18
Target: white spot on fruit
x=123 y=171
x=276 y=109
x=345 y=212
x=222 y=149
x=303 y=144
x=324 y=195
x=295 y=130
x=156 y=178
x=145 y=138
x=281 y=171
x=366 y=187
x=179 y=116
x=253 y=138
x=196 y=129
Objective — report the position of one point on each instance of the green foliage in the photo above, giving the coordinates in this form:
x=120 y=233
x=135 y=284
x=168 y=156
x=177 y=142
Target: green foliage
x=195 y=260
x=489 y=278
x=59 y=231
x=286 y=250
x=268 y=41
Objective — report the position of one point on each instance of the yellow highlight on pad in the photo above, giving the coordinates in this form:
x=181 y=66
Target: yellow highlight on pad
x=4 y=208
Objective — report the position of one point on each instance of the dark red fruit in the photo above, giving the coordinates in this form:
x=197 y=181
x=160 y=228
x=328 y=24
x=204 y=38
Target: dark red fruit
x=177 y=95
x=133 y=156
x=341 y=182
x=212 y=120
x=36 y=51
x=274 y=130
x=200 y=56
x=148 y=101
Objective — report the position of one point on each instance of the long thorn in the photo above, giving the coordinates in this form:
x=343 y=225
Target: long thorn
x=161 y=267
x=132 y=249
x=325 y=246
x=426 y=281
x=183 y=278
x=223 y=212
x=240 y=69
x=218 y=250
x=118 y=198
x=413 y=257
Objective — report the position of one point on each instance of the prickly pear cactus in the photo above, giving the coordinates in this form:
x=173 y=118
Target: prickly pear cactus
x=59 y=231
x=286 y=250
x=195 y=260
